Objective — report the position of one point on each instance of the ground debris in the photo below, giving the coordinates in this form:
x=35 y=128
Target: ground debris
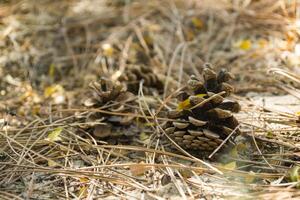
x=51 y=51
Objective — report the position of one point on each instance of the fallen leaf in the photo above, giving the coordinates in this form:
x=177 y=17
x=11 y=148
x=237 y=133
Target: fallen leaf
x=82 y=192
x=197 y=23
x=138 y=170
x=186 y=173
x=148 y=39
x=249 y=177
x=143 y=136
x=51 y=71
x=52 y=90
x=270 y=134
x=262 y=43
x=245 y=44
x=230 y=166
x=108 y=50
x=190 y=35
x=184 y=105
x=241 y=147
x=83 y=180
x=201 y=95
x=154 y=27
x=149 y=124
x=294 y=174
x=51 y=163
x=54 y=135
x=234 y=152
x=36 y=109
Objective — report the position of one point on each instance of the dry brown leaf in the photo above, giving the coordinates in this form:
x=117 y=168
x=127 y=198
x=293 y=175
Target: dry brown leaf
x=138 y=170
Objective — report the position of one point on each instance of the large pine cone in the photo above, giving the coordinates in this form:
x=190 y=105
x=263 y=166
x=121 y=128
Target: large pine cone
x=134 y=74
x=203 y=118
x=110 y=98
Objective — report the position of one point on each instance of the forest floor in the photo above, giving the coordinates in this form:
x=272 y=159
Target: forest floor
x=51 y=52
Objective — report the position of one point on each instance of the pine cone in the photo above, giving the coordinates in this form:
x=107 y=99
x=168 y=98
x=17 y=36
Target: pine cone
x=111 y=98
x=132 y=77
x=203 y=118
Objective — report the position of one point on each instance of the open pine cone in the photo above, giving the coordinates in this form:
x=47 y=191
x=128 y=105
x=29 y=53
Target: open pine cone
x=110 y=98
x=203 y=118
x=134 y=74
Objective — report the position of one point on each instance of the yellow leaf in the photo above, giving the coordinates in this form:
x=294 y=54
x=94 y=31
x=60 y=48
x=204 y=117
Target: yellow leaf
x=230 y=166
x=82 y=192
x=185 y=173
x=51 y=90
x=149 y=124
x=55 y=135
x=245 y=45
x=190 y=35
x=51 y=71
x=184 y=105
x=270 y=134
x=83 y=180
x=298 y=114
x=197 y=23
x=154 y=27
x=234 y=152
x=51 y=163
x=201 y=95
x=135 y=46
x=108 y=50
x=294 y=174
x=262 y=43
x=144 y=136
x=249 y=177
x=21 y=111
x=148 y=39
x=30 y=94
x=36 y=109
x=241 y=147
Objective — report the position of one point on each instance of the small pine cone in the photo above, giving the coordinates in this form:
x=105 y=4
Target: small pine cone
x=132 y=77
x=111 y=98
x=203 y=118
